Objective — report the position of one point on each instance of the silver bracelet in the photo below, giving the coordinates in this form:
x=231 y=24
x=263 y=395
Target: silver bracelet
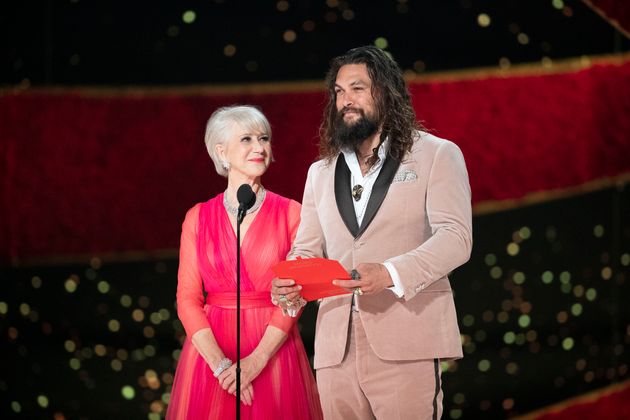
x=223 y=364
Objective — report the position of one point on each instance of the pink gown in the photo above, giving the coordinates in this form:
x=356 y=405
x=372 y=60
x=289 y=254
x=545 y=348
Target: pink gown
x=285 y=388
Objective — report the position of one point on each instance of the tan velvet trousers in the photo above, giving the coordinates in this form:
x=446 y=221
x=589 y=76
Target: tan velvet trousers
x=364 y=386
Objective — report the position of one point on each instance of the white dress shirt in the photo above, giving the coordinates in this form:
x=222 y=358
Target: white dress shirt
x=367 y=182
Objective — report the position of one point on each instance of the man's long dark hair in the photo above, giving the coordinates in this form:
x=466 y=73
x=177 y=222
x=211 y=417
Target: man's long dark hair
x=391 y=97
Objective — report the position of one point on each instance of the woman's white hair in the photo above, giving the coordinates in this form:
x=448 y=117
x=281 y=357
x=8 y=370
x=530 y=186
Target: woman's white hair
x=218 y=128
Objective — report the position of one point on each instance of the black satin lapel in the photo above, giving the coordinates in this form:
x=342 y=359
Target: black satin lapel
x=379 y=191
x=343 y=195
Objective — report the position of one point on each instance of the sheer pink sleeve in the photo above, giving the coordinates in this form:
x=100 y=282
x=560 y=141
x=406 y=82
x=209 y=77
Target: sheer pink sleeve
x=277 y=319
x=190 y=300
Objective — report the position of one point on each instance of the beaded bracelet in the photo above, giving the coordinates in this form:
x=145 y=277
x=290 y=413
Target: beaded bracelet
x=223 y=364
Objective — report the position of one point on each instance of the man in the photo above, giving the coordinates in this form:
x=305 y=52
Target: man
x=393 y=203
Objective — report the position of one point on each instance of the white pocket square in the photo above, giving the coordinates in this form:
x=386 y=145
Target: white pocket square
x=405 y=175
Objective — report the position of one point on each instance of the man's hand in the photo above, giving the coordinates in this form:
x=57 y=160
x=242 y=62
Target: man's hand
x=374 y=278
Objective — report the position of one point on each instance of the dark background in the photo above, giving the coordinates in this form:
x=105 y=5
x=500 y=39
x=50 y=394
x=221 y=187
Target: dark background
x=100 y=338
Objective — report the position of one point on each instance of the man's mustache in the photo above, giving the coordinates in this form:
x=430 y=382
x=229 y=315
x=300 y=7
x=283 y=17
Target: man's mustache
x=357 y=110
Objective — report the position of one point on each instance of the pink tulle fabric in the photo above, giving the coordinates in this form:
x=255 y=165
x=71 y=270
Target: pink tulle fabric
x=285 y=389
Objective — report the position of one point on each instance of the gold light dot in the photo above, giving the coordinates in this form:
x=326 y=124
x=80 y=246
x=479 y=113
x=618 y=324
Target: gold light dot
x=289 y=36
x=468 y=320
x=332 y=3
x=519 y=277
x=75 y=363
x=25 y=309
x=125 y=301
x=157 y=407
x=455 y=413
x=576 y=309
x=122 y=354
x=149 y=350
x=565 y=277
x=70 y=346
x=36 y=282
x=459 y=398
x=103 y=286
x=509 y=337
x=598 y=231
x=70 y=285
x=12 y=333
x=496 y=272
x=381 y=43
x=128 y=392
x=419 y=66
x=547 y=277
x=116 y=365
x=531 y=335
x=524 y=321
x=144 y=302
x=513 y=249
x=525 y=232
x=490 y=259
x=562 y=317
x=483 y=20
x=42 y=401
x=172 y=31
x=155 y=318
x=347 y=14
x=137 y=315
x=567 y=343
x=606 y=273
x=504 y=63
x=148 y=332
x=282 y=5
x=113 y=325
x=511 y=368
x=508 y=404
x=4 y=308
x=189 y=16
x=100 y=350
x=578 y=290
x=503 y=317
x=546 y=62
x=229 y=50
x=164 y=314
x=308 y=26
x=591 y=294
x=558 y=4
x=483 y=365
x=625 y=260
x=522 y=38
x=16 y=407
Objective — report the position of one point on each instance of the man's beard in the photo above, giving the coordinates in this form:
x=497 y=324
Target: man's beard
x=352 y=135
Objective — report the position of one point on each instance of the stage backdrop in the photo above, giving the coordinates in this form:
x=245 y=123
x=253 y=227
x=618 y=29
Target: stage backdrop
x=112 y=171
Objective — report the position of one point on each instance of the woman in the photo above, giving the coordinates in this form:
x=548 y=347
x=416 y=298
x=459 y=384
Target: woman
x=276 y=378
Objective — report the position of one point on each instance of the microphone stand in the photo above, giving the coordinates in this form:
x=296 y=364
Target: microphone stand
x=239 y=219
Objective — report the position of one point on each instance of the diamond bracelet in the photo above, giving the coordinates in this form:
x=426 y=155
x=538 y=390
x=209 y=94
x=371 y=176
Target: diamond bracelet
x=223 y=364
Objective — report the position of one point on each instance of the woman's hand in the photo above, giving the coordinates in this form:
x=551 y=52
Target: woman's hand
x=286 y=295
x=251 y=366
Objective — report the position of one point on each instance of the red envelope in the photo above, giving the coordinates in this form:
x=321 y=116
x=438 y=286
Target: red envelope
x=315 y=275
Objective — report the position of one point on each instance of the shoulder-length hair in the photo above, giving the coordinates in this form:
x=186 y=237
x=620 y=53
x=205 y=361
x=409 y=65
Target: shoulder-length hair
x=391 y=96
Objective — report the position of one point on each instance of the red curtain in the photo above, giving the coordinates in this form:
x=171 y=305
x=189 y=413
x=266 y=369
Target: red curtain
x=85 y=171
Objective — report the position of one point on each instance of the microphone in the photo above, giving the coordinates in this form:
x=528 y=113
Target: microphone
x=246 y=199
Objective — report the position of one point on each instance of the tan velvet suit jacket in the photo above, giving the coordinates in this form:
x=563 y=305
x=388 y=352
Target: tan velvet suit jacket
x=419 y=219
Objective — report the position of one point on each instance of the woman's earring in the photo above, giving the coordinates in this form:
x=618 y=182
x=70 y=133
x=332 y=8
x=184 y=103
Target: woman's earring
x=226 y=165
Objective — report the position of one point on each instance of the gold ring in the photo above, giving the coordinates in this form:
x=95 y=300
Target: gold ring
x=282 y=298
x=357 y=291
